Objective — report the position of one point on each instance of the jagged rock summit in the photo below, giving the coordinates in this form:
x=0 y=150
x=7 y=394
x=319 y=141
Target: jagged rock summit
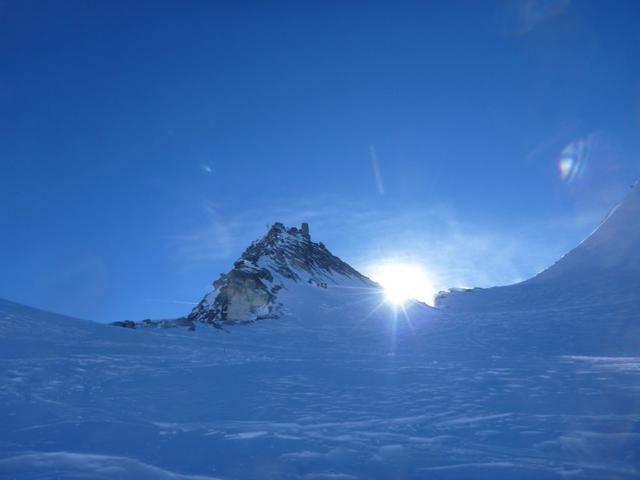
x=250 y=290
x=282 y=258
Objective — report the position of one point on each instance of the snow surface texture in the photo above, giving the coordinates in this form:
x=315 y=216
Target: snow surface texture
x=533 y=381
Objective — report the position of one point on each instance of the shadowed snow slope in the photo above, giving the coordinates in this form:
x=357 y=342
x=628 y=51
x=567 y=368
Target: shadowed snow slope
x=341 y=385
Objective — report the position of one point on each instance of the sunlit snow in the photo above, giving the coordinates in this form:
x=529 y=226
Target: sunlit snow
x=536 y=380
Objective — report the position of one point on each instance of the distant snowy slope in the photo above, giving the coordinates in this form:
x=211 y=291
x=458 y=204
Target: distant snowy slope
x=19 y=322
x=613 y=249
x=603 y=270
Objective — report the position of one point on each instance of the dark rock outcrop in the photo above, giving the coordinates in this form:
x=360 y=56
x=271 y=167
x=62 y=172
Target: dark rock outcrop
x=148 y=323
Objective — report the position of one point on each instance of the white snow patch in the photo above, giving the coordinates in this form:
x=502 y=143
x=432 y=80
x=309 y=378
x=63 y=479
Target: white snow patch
x=87 y=466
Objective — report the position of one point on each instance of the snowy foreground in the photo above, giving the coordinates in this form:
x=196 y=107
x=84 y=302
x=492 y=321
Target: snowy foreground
x=532 y=381
x=333 y=395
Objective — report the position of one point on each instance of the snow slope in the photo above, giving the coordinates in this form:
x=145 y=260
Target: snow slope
x=502 y=383
x=602 y=272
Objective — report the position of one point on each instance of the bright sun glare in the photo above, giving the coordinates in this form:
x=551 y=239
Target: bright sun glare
x=403 y=281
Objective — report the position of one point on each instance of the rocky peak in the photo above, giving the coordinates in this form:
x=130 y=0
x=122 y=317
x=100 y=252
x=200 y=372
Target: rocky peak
x=249 y=291
x=290 y=253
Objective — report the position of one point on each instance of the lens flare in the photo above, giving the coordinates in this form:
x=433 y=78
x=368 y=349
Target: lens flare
x=566 y=167
x=574 y=158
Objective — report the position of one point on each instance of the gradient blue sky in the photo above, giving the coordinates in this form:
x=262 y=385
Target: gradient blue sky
x=145 y=144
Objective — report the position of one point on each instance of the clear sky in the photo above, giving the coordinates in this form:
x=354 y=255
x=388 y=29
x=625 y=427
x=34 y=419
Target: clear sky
x=143 y=145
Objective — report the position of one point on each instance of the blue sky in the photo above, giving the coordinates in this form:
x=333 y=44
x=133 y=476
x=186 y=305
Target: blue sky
x=145 y=144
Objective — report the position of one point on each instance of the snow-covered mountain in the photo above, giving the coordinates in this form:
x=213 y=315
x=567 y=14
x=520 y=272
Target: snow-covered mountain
x=283 y=256
x=284 y=259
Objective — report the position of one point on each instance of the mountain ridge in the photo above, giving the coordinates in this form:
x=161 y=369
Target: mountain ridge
x=249 y=291
x=606 y=263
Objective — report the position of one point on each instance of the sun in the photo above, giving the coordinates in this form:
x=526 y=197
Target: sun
x=404 y=281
